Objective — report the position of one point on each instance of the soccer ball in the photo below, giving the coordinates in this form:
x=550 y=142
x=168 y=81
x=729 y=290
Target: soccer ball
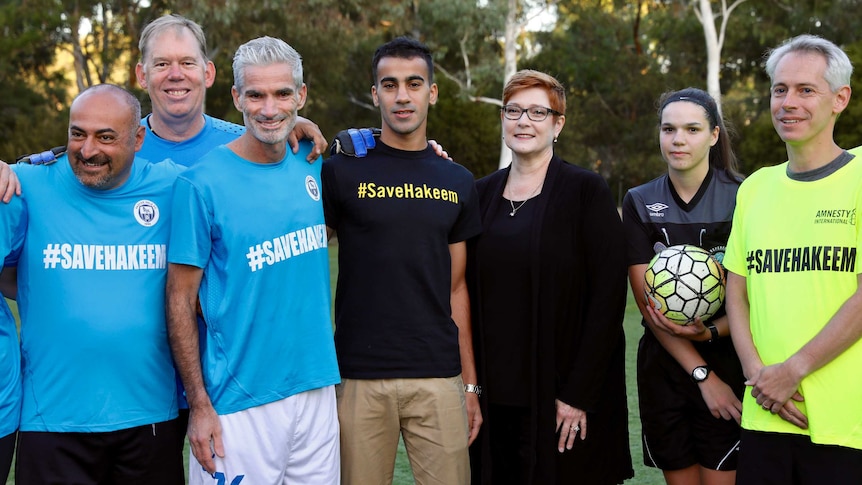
x=684 y=282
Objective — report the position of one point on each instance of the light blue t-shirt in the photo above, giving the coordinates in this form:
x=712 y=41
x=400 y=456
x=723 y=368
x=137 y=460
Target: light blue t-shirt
x=187 y=152
x=12 y=232
x=214 y=133
x=258 y=231
x=91 y=281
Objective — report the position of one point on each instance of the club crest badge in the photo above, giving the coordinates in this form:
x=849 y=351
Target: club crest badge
x=312 y=188
x=146 y=213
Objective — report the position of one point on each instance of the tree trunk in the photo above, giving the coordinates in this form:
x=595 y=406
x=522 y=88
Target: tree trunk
x=713 y=51
x=509 y=68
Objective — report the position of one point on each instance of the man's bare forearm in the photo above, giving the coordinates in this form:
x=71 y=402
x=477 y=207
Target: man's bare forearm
x=181 y=302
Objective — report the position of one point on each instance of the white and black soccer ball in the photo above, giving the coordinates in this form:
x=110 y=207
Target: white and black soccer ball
x=684 y=282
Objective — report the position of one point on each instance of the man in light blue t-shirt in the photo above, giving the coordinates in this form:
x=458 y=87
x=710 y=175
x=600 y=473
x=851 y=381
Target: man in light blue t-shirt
x=99 y=399
x=249 y=242
x=176 y=72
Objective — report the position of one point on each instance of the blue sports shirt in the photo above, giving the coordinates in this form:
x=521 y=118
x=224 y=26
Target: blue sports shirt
x=215 y=132
x=258 y=232
x=91 y=281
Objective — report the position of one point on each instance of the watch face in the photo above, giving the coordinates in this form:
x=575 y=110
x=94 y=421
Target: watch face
x=699 y=373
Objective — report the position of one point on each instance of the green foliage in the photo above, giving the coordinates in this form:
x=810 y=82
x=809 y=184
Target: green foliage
x=848 y=129
x=33 y=94
x=611 y=90
x=614 y=57
x=469 y=131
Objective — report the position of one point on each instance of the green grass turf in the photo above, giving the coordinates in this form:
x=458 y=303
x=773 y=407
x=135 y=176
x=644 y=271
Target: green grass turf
x=643 y=475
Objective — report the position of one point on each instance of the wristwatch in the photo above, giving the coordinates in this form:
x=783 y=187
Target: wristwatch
x=477 y=390
x=713 y=333
x=700 y=373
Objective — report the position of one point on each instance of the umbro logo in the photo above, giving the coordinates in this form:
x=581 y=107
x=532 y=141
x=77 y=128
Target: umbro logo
x=656 y=208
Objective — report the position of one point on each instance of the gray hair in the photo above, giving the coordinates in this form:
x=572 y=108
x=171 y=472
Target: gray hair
x=838 y=66
x=264 y=51
x=171 y=22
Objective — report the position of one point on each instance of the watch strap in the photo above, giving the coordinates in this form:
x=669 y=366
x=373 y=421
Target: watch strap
x=475 y=389
x=696 y=370
x=713 y=333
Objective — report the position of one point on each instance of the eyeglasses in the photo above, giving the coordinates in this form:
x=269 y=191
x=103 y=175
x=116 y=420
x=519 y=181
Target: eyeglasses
x=535 y=113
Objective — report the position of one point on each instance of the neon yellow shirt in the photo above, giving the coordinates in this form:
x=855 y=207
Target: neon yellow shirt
x=798 y=244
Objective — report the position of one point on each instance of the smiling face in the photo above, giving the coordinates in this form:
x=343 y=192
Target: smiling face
x=269 y=102
x=404 y=94
x=803 y=106
x=528 y=138
x=685 y=137
x=176 y=75
x=103 y=138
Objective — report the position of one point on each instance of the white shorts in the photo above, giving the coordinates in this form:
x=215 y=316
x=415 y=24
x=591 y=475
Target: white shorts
x=294 y=440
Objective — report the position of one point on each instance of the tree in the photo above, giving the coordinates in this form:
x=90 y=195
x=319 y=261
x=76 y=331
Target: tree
x=483 y=24
x=98 y=36
x=611 y=81
x=615 y=58
x=714 y=41
x=34 y=93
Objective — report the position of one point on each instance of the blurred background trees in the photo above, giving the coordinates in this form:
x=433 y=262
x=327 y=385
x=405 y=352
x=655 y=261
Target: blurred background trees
x=615 y=58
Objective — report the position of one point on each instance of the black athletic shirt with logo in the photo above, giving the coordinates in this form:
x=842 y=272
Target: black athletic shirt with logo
x=654 y=213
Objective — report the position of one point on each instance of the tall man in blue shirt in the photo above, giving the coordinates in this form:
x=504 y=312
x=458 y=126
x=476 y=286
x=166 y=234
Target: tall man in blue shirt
x=249 y=241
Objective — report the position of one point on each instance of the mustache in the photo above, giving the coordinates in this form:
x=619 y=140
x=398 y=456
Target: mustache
x=99 y=159
x=270 y=118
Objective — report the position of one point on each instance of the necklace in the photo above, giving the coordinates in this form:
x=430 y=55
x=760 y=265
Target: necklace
x=516 y=209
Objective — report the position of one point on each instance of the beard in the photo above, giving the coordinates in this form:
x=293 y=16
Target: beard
x=270 y=136
x=99 y=180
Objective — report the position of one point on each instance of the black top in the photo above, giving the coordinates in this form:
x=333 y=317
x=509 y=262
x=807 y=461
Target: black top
x=507 y=335
x=654 y=213
x=576 y=301
x=395 y=213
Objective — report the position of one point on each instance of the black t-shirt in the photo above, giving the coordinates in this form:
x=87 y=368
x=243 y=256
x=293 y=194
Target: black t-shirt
x=395 y=213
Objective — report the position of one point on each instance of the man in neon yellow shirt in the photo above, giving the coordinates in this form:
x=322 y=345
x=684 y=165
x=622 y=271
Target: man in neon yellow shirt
x=794 y=298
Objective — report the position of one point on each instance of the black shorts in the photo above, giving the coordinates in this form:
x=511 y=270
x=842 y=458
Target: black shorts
x=143 y=455
x=7 y=449
x=677 y=428
x=792 y=459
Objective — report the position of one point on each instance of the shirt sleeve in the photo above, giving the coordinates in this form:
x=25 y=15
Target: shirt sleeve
x=469 y=223
x=639 y=247
x=13 y=225
x=734 y=255
x=191 y=226
x=329 y=187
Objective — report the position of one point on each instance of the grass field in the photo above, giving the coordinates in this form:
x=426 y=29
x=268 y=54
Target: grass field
x=643 y=475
